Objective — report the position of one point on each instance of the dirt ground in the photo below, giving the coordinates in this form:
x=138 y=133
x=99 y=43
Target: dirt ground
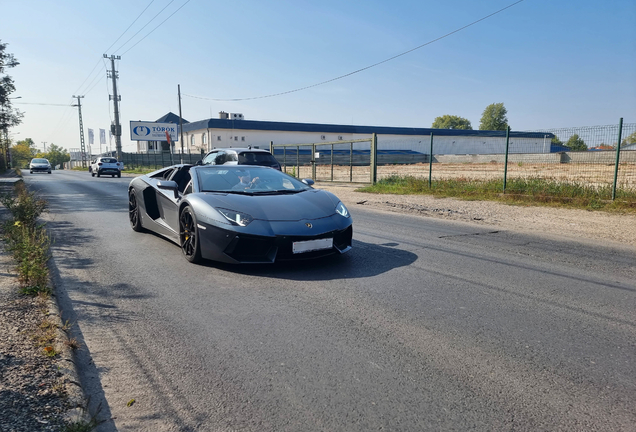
x=591 y=174
x=566 y=223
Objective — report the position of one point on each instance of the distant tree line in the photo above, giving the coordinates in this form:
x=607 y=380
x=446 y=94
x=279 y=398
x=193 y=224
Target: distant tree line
x=495 y=118
x=23 y=151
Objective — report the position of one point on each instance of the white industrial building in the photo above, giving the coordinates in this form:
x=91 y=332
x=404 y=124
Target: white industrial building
x=232 y=130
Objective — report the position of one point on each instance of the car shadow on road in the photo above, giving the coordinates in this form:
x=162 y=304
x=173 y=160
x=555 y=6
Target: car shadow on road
x=363 y=261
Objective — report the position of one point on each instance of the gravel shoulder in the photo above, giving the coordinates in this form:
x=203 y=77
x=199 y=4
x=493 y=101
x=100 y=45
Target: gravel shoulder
x=582 y=225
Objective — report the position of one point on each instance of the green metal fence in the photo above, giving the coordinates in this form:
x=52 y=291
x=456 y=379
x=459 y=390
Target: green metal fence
x=158 y=160
x=351 y=161
x=590 y=156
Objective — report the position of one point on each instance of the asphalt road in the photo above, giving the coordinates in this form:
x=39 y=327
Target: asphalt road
x=424 y=325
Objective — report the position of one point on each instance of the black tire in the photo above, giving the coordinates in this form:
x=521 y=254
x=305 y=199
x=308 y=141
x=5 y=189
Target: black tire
x=49 y=172
x=112 y=176
x=118 y=175
x=189 y=236
x=31 y=172
x=99 y=174
x=133 y=212
x=92 y=174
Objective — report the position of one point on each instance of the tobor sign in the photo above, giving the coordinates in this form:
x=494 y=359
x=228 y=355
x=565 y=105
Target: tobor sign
x=147 y=131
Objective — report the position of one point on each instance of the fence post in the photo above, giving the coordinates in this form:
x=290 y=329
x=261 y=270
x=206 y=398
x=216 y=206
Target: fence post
x=331 y=162
x=285 y=159
x=271 y=147
x=374 y=158
x=313 y=162
x=430 y=164
x=506 y=159
x=351 y=162
x=297 y=161
x=618 y=156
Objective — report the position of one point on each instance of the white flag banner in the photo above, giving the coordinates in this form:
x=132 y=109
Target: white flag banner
x=90 y=136
x=102 y=136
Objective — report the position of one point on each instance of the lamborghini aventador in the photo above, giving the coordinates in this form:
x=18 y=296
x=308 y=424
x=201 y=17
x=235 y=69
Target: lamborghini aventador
x=239 y=213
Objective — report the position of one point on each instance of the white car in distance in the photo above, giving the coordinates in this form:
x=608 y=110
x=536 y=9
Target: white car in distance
x=39 y=165
x=106 y=166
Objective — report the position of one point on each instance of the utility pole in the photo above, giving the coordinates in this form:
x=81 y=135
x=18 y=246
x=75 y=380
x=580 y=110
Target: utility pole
x=116 y=128
x=180 y=120
x=44 y=142
x=81 y=125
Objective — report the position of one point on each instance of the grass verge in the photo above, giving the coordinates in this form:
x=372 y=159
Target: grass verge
x=518 y=191
x=27 y=241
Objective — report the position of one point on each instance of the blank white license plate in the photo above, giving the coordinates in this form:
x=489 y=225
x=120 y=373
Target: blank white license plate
x=312 y=245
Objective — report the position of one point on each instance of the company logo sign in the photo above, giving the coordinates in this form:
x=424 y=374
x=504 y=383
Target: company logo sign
x=141 y=131
x=148 y=131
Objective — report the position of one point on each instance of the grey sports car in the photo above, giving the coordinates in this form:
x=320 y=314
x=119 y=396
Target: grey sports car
x=239 y=214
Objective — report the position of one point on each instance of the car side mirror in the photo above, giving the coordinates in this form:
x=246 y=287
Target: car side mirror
x=169 y=185
x=199 y=162
x=308 y=182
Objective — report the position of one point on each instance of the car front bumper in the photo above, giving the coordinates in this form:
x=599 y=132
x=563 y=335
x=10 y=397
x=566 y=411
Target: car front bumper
x=239 y=245
x=40 y=168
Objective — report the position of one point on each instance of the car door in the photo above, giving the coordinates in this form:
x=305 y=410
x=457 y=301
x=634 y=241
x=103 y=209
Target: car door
x=168 y=203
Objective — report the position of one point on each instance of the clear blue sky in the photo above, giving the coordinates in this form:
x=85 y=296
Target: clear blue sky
x=553 y=64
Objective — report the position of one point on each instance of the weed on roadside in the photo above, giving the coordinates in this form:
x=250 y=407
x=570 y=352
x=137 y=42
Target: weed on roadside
x=26 y=240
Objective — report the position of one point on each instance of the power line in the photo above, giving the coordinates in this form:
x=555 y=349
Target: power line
x=188 y=1
x=364 y=68
x=89 y=75
x=131 y=24
x=139 y=31
x=120 y=36
x=38 y=103
x=97 y=82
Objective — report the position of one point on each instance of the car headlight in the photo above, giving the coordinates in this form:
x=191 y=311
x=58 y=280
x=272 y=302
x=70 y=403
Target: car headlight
x=342 y=210
x=236 y=218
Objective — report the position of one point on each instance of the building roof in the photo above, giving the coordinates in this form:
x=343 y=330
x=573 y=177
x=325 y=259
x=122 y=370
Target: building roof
x=171 y=118
x=215 y=123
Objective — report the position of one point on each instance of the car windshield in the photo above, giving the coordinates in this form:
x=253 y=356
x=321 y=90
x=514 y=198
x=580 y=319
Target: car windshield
x=249 y=181
x=39 y=160
x=257 y=158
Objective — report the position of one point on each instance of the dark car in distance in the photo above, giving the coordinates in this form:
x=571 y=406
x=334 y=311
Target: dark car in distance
x=239 y=214
x=241 y=156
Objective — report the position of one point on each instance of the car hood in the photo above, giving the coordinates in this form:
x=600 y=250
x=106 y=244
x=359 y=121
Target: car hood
x=311 y=204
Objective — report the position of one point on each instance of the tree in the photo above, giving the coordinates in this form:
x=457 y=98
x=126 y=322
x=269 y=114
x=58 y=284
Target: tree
x=451 y=122
x=630 y=139
x=56 y=155
x=556 y=141
x=8 y=116
x=575 y=143
x=494 y=117
x=23 y=152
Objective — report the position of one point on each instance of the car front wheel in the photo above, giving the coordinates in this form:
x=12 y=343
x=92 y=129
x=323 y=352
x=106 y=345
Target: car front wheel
x=133 y=212
x=189 y=236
